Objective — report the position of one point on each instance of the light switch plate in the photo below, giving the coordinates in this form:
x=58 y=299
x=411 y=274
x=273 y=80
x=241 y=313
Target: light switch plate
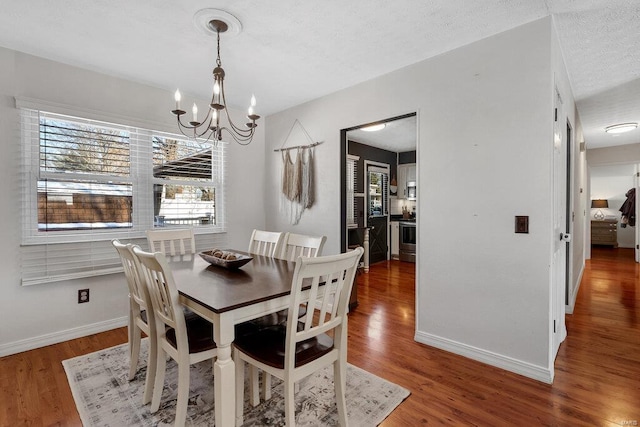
x=522 y=224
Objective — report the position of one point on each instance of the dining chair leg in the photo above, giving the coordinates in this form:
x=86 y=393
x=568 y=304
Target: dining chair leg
x=183 y=393
x=158 y=384
x=339 y=384
x=239 y=388
x=289 y=403
x=134 y=345
x=152 y=363
x=254 y=385
x=266 y=385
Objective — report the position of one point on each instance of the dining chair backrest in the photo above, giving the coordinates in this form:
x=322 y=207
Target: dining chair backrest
x=330 y=279
x=172 y=242
x=265 y=243
x=137 y=289
x=295 y=245
x=163 y=294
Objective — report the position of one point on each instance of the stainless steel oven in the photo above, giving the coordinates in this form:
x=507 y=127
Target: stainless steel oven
x=407 y=241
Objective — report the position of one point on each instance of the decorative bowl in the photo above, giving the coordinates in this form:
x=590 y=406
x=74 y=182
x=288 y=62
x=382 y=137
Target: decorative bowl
x=240 y=260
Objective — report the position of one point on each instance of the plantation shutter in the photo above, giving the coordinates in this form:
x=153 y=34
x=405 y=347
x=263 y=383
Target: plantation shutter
x=352 y=183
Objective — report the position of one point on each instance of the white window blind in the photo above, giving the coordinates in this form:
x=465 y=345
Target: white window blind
x=85 y=182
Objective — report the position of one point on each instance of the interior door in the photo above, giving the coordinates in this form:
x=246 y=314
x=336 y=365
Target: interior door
x=637 y=185
x=560 y=236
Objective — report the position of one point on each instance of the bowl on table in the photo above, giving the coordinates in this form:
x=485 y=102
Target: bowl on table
x=225 y=258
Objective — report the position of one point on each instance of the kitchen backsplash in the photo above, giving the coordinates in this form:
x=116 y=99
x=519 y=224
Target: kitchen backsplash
x=395 y=205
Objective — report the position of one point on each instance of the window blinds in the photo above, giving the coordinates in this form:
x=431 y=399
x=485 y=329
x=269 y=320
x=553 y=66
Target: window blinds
x=66 y=159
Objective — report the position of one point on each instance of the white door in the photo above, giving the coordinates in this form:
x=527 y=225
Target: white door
x=560 y=236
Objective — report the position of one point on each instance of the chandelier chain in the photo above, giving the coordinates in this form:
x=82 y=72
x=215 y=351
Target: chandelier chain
x=218 y=61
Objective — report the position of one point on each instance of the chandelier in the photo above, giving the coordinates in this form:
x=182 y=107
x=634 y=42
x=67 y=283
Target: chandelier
x=209 y=127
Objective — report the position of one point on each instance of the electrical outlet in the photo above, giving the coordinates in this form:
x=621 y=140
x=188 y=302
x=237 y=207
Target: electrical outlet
x=83 y=295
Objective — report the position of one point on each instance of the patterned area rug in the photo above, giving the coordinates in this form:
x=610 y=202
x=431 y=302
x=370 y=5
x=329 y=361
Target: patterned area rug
x=104 y=396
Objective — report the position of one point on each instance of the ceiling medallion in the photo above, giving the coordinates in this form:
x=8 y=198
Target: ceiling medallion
x=215 y=22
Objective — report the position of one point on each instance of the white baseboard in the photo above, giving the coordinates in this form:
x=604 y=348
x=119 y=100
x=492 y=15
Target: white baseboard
x=574 y=295
x=503 y=362
x=60 y=336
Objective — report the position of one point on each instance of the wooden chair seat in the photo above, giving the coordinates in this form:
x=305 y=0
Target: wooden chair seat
x=268 y=346
x=199 y=334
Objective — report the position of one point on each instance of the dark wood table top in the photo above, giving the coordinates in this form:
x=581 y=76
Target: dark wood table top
x=220 y=289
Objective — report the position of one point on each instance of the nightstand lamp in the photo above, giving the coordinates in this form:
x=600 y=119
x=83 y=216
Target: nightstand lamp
x=599 y=204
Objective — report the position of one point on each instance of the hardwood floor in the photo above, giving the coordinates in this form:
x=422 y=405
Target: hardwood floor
x=597 y=368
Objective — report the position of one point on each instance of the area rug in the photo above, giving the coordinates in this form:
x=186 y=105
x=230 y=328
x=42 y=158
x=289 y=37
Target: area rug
x=104 y=396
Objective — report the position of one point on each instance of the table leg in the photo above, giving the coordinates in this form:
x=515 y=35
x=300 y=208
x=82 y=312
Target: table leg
x=224 y=375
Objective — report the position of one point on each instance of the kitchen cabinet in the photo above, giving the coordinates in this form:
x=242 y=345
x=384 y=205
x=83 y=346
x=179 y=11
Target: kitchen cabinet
x=406 y=173
x=604 y=232
x=394 y=233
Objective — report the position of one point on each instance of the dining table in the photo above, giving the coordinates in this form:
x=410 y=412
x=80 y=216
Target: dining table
x=227 y=297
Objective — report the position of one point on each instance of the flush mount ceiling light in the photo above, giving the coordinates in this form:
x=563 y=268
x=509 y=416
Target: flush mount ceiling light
x=215 y=22
x=621 y=128
x=374 y=128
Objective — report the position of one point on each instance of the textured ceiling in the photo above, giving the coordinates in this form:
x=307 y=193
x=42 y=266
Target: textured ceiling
x=293 y=51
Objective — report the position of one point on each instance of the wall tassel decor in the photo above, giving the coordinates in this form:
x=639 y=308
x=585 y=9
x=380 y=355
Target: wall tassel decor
x=298 y=177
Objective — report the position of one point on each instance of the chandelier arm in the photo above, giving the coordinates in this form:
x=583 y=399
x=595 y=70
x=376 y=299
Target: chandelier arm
x=241 y=131
x=182 y=127
x=242 y=140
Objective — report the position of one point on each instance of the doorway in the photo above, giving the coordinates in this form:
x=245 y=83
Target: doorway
x=398 y=136
x=609 y=184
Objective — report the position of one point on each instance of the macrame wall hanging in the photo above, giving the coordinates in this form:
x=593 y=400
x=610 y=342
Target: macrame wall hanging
x=298 y=176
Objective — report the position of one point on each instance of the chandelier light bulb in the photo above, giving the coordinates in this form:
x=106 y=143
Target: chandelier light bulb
x=216 y=88
x=195 y=112
x=214 y=113
x=177 y=97
x=253 y=100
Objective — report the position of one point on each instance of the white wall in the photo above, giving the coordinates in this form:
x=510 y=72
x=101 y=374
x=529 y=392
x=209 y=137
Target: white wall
x=484 y=155
x=43 y=314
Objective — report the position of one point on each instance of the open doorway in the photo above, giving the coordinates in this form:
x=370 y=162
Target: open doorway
x=610 y=187
x=376 y=186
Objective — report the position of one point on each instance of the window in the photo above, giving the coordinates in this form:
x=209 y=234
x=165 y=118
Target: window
x=86 y=182
x=84 y=179
x=183 y=189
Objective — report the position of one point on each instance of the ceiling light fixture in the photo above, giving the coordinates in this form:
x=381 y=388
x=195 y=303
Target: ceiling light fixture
x=621 y=128
x=210 y=125
x=374 y=128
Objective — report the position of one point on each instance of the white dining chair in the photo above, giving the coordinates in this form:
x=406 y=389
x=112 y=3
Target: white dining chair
x=172 y=242
x=187 y=340
x=294 y=245
x=307 y=346
x=141 y=317
x=266 y=243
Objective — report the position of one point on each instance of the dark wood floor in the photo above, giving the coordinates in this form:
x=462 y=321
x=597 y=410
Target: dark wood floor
x=597 y=369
